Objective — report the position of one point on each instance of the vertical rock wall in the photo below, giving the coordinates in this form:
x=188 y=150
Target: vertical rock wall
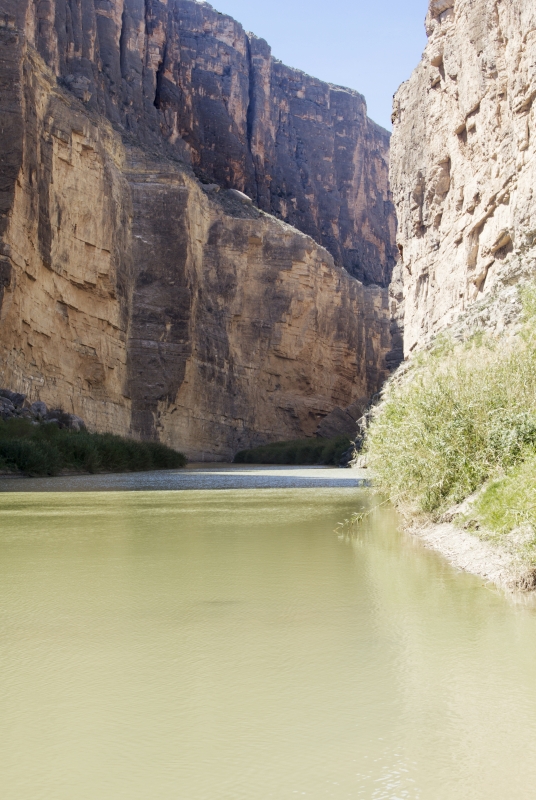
x=302 y=149
x=151 y=305
x=463 y=166
x=177 y=74
x=64 y=248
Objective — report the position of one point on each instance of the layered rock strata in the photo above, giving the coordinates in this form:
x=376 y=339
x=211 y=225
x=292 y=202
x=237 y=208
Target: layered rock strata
x=178 y=74
x=142 y=301
x=463 y=166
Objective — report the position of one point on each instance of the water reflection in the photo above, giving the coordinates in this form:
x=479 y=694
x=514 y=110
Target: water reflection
x=228 y=644
x=215 y=476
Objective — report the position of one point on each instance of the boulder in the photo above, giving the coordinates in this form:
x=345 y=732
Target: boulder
x=76 y=423
x=347 y=457
x=65 y=420
x=14 y=404
x=15 y=397
x=39 y=409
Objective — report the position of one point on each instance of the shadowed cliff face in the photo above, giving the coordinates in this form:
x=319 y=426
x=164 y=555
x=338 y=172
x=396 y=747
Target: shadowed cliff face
x=463 y=167
x=271 y=335
x=144 y=302
x=177 y=74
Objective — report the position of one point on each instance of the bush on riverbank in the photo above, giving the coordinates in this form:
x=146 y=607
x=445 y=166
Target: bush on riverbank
x=509 y=502
x=465 y=414
x=47 y=450
x=301 y=452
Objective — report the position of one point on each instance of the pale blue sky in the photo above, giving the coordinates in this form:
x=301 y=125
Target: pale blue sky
x=368 y=45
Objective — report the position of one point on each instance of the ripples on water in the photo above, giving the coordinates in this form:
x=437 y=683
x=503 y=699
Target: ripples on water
x=211 y=645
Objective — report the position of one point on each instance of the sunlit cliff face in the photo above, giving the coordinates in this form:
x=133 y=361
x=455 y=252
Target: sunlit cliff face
x=462 y=170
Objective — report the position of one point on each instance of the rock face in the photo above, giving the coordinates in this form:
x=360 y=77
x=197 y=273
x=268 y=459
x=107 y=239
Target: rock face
x=304 y=150
x=132 y=295
x=176 y=72
x=463 y=166
x=343 y=421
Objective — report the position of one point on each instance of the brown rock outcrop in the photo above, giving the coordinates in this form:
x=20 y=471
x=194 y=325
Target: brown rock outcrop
x=178 y=74
x=343 y=421
x=142 y=301
x=463 y=166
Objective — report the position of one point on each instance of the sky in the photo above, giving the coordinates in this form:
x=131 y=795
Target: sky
x=368 y=45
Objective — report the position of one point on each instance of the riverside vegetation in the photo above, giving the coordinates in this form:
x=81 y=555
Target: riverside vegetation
x=39 y=449
x=461 y=425
x=301 y=452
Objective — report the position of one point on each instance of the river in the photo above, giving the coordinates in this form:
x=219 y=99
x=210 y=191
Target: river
x=160 y=638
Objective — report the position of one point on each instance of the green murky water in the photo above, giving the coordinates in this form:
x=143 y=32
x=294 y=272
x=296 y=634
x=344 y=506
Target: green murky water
x=202 y=645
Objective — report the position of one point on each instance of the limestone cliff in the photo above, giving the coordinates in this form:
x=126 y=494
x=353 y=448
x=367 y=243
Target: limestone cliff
x=176 y=72
x=463 y=164
x=130 y=293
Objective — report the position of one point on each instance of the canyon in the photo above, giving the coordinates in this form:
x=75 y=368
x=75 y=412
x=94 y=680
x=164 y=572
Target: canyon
x=195 y=240
x=463 y=170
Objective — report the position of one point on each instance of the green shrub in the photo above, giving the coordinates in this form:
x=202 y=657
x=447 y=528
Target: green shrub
x=509 y=501
x=47 y=450
x=30 y=457
x=301 y=452
x=464 y=414
x=80 y=451
x=16 y=429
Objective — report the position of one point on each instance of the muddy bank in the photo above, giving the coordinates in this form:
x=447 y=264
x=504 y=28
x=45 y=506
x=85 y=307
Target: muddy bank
x=464 y=550
x=500 y=564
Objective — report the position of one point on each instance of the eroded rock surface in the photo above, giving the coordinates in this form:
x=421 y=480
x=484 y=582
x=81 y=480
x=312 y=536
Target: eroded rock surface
x=177 y=74
x=133 y=296
x=463 y=166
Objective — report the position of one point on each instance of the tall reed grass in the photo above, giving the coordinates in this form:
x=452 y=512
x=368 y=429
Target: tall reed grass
x=463 y=415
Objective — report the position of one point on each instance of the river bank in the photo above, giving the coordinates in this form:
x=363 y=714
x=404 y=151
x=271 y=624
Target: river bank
x=453 y=443
x=494 y=563
x=466 y=547
x=48 y=447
